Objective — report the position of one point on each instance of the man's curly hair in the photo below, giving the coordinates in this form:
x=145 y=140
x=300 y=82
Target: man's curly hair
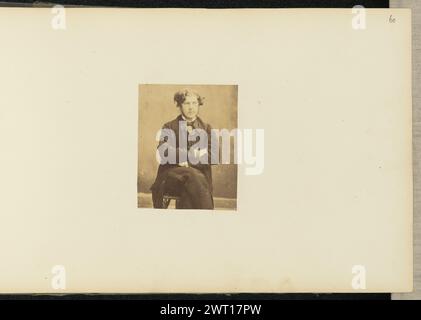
x=180 y=96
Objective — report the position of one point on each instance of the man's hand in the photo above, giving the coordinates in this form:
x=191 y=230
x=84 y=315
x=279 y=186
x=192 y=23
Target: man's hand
x=184 y=164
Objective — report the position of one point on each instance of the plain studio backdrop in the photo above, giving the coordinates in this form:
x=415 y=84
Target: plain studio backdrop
x=336 y=190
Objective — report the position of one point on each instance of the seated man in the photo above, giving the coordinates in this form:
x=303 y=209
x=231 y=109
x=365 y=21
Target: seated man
x=188 y=173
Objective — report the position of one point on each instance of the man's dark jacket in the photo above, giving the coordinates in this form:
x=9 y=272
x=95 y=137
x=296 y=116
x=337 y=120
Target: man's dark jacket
x=161 y=184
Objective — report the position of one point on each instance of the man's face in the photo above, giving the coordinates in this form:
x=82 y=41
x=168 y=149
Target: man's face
x=190 y=107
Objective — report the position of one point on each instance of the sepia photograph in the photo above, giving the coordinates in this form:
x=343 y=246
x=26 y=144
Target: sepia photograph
x=187 y=148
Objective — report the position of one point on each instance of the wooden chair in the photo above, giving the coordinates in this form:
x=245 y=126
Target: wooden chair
x=167 y=199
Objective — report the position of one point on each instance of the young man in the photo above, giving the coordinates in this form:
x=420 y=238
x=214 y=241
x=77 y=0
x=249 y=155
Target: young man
x=184 y=153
